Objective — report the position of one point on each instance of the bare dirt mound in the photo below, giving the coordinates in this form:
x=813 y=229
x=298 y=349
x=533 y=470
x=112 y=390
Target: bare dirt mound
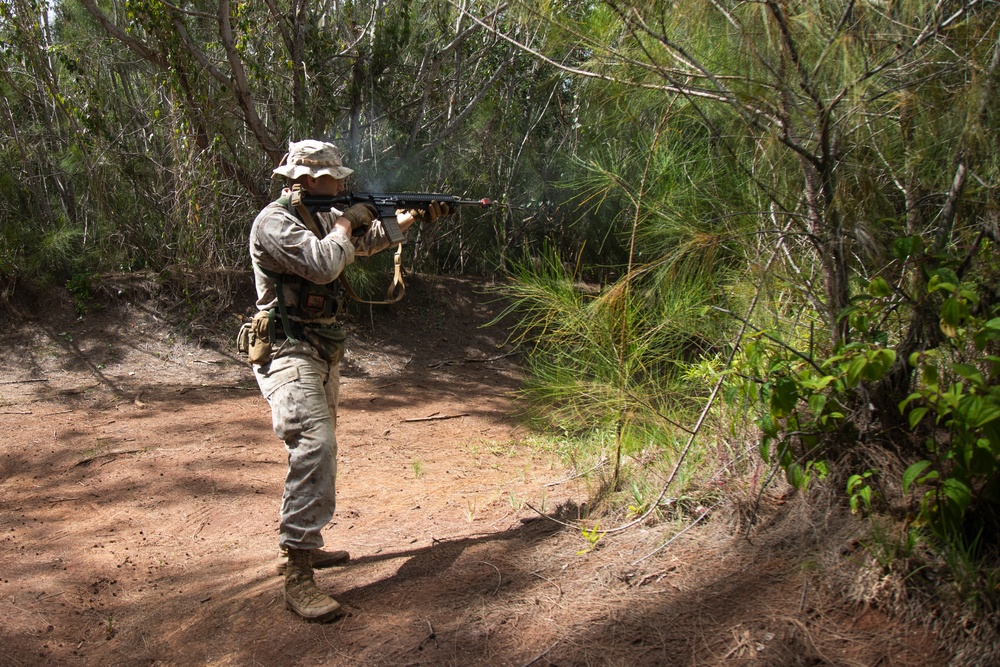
x=140 y=482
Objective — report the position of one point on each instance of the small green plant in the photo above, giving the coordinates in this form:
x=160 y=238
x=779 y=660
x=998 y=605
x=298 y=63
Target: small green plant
x=418 y=469
x=639 y=504
x=79 y=285
x=517 y=504
x=593 y=536
x=860 y=492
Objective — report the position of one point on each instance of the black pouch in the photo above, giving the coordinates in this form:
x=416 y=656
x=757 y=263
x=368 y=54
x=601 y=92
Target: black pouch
x=317 y=301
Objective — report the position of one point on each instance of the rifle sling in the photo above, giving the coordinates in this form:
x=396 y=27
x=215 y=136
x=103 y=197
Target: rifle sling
x=286 y=322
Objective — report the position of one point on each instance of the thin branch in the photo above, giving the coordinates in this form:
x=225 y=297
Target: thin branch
x=693 y=92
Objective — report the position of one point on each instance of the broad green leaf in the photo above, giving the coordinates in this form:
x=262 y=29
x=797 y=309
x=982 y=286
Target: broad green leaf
x=912 y=397
x=906 y=246
x=796 y=477
x=855 y=369
x=816 y=403
x=767 y=425
x=913 y=472
x=943 y=278
x=981 y=463
x=958 y=492
x=986 y=413
x=970 y=373
x=879 y=287
x=916 y=414
x=879 y=363
x=784 y=396
x=953 y=311
x=816 y=384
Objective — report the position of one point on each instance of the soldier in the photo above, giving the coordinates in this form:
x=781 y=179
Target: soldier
x=296 y=258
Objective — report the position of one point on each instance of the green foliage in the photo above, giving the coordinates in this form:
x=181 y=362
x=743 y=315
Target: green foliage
x=600 y=358
x=592 y=535
x=81 y=287
x=859 y=492
x=805 y=399
x=956 y=407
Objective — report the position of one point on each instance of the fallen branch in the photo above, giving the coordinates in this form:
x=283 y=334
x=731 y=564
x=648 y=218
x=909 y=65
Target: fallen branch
x=468 y=360
x=434 y=417
x=686 y=529
x=23 y=381
x=119 y=452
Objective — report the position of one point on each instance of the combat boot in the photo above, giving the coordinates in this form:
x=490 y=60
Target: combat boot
x=320 y=559
x=301 y=595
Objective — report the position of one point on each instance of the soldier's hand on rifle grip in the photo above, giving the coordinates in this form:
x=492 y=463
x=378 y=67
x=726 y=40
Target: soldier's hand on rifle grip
x=360 y=215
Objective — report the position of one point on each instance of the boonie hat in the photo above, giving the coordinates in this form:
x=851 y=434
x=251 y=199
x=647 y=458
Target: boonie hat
x=313 y=158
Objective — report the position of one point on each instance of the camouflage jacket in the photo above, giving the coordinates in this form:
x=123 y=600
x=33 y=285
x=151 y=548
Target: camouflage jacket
x=281 y=243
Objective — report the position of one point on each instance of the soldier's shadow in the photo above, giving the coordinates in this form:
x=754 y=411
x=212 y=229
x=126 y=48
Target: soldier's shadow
x=435 y=560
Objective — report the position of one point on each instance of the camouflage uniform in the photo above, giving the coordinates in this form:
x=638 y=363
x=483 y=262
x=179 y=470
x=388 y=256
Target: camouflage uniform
x=300 y=384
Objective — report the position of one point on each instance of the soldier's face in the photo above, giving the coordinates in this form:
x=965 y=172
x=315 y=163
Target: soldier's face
x=324 y=186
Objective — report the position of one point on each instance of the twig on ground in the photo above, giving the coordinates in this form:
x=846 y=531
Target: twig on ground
x=468 y=360
x=540 y=655
x=686 y=529
x=430 y=635
x=119 y=452
x=809 y=638
x=600 y=464
x=558 y=587
x=499 y=576
x=655 y=575
x=550 y=518
x=23 y=381
x=434 y=417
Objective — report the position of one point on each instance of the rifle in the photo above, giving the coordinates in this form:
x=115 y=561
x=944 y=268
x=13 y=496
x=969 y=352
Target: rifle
x=387 y=203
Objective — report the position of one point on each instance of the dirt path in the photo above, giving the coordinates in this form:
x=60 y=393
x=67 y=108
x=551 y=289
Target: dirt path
x=139 y=486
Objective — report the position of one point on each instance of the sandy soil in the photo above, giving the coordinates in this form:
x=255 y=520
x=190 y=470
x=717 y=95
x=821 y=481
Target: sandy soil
x=140 y=482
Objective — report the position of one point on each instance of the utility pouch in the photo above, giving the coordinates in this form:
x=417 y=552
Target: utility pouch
x=328 y=341
x=260 y=337
x=243 y=339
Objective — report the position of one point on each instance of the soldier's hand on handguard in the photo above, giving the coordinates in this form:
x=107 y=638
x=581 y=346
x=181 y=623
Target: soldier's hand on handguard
x=436 y=210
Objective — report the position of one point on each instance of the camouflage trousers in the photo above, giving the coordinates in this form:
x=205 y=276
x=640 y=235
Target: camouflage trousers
x=303 y=391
